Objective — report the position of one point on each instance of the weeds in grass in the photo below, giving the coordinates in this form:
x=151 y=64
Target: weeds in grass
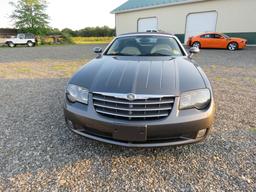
x=253 y=130
x=23 y=70
x=251 y=79
x=218 y=78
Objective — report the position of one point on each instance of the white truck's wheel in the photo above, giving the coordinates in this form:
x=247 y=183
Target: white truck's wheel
x=30 y=43
x=11 y=44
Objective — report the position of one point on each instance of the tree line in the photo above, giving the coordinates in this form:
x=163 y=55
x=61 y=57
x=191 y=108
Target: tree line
x=104 y=31
x=30 y=16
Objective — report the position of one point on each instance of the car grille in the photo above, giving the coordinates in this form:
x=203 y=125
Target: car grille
x=148 y=107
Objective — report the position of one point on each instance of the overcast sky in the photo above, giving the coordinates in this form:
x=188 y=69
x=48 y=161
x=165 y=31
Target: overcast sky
x=74 y=14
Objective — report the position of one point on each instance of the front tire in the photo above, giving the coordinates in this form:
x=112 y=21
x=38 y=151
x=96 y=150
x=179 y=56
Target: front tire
x=30 y=44
x=11 y=44
x=196 y=44
x=232 y=46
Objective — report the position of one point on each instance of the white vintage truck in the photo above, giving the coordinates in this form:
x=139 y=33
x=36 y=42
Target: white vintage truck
x=21 y=39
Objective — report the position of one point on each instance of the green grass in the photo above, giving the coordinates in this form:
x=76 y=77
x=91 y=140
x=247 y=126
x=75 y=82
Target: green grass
x=91 y=40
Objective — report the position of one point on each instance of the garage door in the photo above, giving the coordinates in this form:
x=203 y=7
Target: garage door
x=200 y=23
x=146 y=24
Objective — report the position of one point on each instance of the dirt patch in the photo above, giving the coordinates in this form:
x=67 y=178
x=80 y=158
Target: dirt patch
x=43 y=69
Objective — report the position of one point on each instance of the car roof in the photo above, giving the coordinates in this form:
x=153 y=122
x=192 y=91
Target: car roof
x=146 y=33
x=210 y=33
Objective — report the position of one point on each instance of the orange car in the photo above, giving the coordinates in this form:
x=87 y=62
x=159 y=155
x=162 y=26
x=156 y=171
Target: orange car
x=217 y=40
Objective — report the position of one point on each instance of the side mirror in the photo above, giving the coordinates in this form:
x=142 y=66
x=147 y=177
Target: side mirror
x=192 y=51
x=97 y=50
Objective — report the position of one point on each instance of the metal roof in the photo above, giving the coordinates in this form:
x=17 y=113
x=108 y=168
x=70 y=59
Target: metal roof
x=146 y=33
x=132 y=5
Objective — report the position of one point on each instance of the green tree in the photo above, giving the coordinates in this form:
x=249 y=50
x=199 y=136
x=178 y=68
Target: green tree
x=30 y=16
x=68 y=31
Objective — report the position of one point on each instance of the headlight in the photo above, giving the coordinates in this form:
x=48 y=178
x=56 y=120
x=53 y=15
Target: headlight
x=198 y=99
x=77 y=94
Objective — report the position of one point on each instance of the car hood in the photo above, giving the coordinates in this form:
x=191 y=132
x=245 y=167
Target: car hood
x=139 y=75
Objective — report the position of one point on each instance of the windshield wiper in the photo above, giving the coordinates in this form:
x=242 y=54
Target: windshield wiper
x=159 y=54
x=120 y=54
x=153 y=54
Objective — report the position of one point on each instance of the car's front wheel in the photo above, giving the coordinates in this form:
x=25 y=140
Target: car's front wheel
x=232 y=46
x=30 y=43
x=11 y=44
x=196 y=44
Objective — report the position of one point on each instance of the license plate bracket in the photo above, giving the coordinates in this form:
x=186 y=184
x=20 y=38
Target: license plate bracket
x=131 y=134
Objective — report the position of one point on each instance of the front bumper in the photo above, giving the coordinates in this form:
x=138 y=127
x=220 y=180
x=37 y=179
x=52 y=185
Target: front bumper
x=242 y=45
x=181 y=127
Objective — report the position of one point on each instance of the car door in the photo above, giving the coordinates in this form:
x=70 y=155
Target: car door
x=219 y=41
x=21 y=39
x=206 y=40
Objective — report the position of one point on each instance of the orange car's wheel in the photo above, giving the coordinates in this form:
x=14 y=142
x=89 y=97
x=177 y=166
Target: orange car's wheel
x=232 y=46
x=196 y=44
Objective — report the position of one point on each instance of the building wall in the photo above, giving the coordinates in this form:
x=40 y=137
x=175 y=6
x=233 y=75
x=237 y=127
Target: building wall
x=236 y=17
x=6 y=32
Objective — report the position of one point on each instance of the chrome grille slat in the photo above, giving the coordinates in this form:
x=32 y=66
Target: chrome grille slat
x=133 y=109
x=134 y=103
x=143 y=107
x=133 y=116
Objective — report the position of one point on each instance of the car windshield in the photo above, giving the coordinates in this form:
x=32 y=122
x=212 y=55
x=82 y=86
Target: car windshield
x=226 y=36
x=145 y=46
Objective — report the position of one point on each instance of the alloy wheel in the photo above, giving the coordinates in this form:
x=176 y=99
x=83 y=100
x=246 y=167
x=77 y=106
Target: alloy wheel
x=196 y=44
x=232 y=46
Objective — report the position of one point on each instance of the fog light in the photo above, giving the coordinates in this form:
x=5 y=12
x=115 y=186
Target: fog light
x=201 y=133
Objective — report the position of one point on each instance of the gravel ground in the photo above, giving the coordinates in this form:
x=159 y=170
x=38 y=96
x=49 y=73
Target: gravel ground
x=39 y=153
x=79 y=52
x=69 y=53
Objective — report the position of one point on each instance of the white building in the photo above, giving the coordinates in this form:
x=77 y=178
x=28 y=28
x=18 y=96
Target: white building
x=186 y=18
